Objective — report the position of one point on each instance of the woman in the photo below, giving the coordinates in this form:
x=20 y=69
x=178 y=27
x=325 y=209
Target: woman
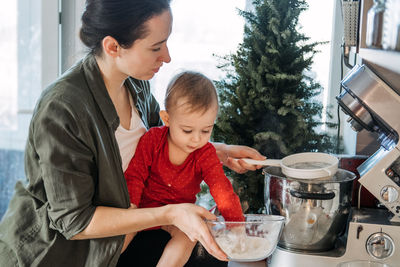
x=74 y=209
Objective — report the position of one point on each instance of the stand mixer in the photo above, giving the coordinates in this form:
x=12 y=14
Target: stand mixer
x=371 y=234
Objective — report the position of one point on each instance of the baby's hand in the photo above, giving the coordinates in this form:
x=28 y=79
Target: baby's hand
x=238 y=230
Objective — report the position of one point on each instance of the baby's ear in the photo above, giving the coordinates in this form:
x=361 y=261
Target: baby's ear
x=165 y=117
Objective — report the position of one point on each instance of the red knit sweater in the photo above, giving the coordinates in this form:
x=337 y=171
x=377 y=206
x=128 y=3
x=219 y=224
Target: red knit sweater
x=154 y=181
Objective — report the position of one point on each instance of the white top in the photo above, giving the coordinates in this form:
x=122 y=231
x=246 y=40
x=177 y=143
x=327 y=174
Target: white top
x=128 y=139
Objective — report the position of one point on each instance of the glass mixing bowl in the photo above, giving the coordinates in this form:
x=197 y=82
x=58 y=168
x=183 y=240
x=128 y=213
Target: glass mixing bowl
x=251 y=240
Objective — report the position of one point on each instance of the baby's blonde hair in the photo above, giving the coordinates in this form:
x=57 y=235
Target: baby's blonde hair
x=198 y=91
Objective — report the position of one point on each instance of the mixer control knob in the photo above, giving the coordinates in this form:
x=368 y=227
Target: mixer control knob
x=389 y=194
x=380 y=246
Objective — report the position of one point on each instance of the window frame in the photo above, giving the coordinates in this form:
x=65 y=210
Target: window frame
x=50 y=21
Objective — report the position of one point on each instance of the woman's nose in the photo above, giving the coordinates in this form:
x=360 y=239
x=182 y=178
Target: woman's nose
x=165 y=56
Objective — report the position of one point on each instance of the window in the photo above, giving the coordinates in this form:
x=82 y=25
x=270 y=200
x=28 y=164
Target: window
x=200 y=30
x=316 y=23
x=24 y=72
x=203 y=29
x=29 y=38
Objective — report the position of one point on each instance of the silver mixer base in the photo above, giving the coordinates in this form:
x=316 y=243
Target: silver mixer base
x=363 y=225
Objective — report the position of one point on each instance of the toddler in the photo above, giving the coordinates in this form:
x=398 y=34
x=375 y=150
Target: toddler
x=171 y=161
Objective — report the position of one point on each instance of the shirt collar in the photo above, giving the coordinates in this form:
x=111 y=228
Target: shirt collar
x=96 y=85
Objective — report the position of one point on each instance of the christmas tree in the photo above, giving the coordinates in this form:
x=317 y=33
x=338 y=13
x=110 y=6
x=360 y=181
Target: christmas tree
x=267 y=99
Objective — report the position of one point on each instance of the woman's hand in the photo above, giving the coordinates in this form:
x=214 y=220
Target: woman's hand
x=171 y=229
x=231 y=156
x=189 y=218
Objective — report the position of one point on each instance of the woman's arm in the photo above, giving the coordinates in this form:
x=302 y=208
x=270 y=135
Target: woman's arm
x=231 y=156
x=189 y=218
x=70 y=187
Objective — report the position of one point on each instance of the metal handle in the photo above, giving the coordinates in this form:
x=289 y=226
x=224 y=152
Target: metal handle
x=308 y=195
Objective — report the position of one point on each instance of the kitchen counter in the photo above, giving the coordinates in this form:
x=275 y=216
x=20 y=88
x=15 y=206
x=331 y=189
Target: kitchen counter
x=247 y=264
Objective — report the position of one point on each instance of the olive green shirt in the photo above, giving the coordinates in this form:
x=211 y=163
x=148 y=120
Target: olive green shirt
x=72 y=165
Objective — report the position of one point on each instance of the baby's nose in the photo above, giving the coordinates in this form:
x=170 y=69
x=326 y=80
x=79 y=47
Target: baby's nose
x=196 y=137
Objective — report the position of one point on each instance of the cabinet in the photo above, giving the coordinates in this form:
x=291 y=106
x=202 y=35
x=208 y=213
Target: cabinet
x=385 y=63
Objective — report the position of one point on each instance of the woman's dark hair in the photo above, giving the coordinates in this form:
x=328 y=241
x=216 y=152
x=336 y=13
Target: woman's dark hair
x=196 y=89
x=121 y=19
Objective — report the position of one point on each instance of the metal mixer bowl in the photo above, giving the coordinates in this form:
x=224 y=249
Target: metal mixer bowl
x=316 y=210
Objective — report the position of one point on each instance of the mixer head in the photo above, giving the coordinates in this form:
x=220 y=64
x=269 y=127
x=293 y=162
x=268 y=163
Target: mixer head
x=367 y=111
x=375 y=106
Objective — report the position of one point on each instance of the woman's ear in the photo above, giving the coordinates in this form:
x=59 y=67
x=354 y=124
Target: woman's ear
x=165 y=117
x=111 y=46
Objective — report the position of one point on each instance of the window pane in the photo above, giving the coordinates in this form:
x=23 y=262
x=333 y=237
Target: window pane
x=316 y=23
x=20 y=36
x=200 y=30
x=8 y=68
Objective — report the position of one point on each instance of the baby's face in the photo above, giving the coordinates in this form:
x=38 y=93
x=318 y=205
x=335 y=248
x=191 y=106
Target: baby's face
x=191 y=130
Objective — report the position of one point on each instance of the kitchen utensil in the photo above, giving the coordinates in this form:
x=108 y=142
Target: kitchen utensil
x=308 y=165
x=316 y=210
x=350 y=21
x=251 y=240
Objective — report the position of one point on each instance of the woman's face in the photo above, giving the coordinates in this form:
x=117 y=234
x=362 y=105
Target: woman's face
x=146 y=56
